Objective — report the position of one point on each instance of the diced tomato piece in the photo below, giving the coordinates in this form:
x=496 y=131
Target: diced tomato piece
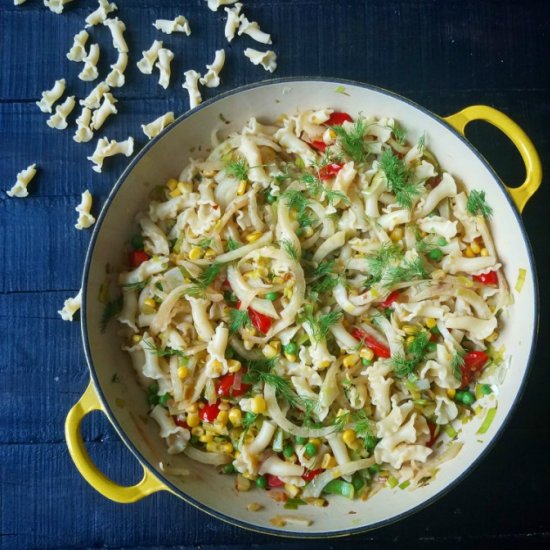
x=225 y=387
x=390 y=299
x=379 y=349
x=338 y=118
x=433 y=435
x=274 y=481
x=226 y=285
x=181 y=423
x=310 y=474
x=329 y=171
x=209 y=413
x=259 y=320
x=490 y=278
x=474 y=361
x=319 y=145
x=137 y=257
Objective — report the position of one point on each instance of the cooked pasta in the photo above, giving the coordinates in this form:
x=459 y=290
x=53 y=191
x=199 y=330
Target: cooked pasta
x=314 y=305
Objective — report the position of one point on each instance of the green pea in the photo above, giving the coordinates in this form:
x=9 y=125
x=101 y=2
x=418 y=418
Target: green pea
x=137 y=242
x=228 y=469
x=436 y=254
x=301 y=440
x=374 y=469
x=358 y=483
x=366 y=362
x=163 y=399
x=432 y=346
x=486 y=389
x=271 y=198
x=291 y=348
x=311 y=449
x=442 y=241
x=288 y=451
x=459 y=395
x=468 y=398
x=261 y=482
x=271 y=296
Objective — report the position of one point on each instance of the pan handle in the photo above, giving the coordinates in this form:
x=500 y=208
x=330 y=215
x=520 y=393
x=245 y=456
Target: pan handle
x=520 y=195
x=86 y=404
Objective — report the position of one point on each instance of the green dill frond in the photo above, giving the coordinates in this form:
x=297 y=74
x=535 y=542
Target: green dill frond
x=248 y=420
x=238 y=169
x=416 y=351
x=204 y=280
x=232 y=244
x=295 y=199
x=407 y=271
x=353 y=141
x=290 y=249
x=163 y=352
x=112 y=308
x=380 y=260
x=139 y=286
x=238 y=319
x=456 y=364
x=399 y=133
x=335 y=196
x=283 y=387
x=401 y=180
x=421 y=143
x=325 y=267
x=205 y=243
x=402 y=366
x=326 y=321
x=477 y=205
x=419 y=345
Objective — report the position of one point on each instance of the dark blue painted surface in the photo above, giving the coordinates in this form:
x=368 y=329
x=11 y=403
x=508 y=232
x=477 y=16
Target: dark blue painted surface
x=445 y=55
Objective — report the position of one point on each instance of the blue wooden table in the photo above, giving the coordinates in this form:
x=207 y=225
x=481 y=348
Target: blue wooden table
x=443 y=54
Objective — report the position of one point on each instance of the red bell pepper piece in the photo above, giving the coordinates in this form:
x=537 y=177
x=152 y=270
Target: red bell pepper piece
x=329 y=171
x=209 y=413
x=474 y=361
x=390 y=299
x=137 y=257
x=225 y=386
x=338 y=118
x=379 y=349
x=273 y=481
x=319 y=145
x=181 y=423
x=259 y=320
x=310 y=474
x=490 y=278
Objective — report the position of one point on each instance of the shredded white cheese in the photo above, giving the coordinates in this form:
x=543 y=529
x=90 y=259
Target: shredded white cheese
x=168 y=26
x=85 y=219
x=106 y=148
x=165 y=57
x=233 y=21
x=93 y=99
x=153 y=129
x=24 y=177
x=106 y=109
x=252 y=29
x=70 y=307
x=117 y=28
x=116 y=78
x=215 y=4
x=212 y=78
x=59 y=119
x=49 y=97
x=147 y=62
x=89 y=72
x=192 y=86
x=268 y=59
x=84 y=133
x=78 y=50
x=56 y=5
x=100 y=14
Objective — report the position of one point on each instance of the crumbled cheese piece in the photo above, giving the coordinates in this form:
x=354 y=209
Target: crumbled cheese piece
x=215 y=4
x=267 y=59
x=212 y=78
x=56 y=5
x=153 y=129
x=24 y=177
x=117 y=28
x=106 y=109
x=83 y=133
x=191 y=85
x=233 y=21
x=49 y=97
x=165 y=57
x=116 y=78
x=101 y=13
x=106 y=148
x=168 y=26
x=89 y=72
x=59 y=119
x=252 y=28
x=78 y=50
x=71 y=306
x=93 y=99
x=147 y=62
x=85 y=219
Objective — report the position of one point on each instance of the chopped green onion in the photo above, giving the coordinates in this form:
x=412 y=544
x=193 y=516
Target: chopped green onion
x=271 y=198
x=271 y=296
x=278 y=441
x=442 y=241
x=488 y=420
x=366 y=362
x=392 y=482
x=374 y=469
x=358 y=483
x=404 y=485
x=450 y=431
x=293 y=503
x=301 y=440
x=163 y=399
x=183 y=361
x=486 y=389
x=340 y=487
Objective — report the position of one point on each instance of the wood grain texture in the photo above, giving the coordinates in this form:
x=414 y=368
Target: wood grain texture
x=443 y=54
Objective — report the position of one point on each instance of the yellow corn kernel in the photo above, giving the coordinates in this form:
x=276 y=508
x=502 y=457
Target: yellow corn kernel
x=469 y=253
x=233 y=365
x=366 y=353
x=216 y=366
x=278 y=280
x=290 y=357
x=235 y=416
x=174 y=193
x=227 y=448
x=185 y=187
x=328 y=461
x=196 y=430
x=269 y=351
x=438 y=274
x=248 y=475
x=288 y=291
x=476 y=249
x=410 y=330
x=254 y=236
x=172 y=183
x=315 y=441
x=208 y=173
x=307 y=231
x=136 y=338
x=222 y=417
x=241 y=190
x=351 y=360
x=276 y=344
x=206 y=438
x=331 y=133
x=292 y=490
x=212 y=447
x=492 y=337
x=183 y=372
x=320 y=502
x=484 y=252
x=451 y=392
x=396 y=234
x=195 y=253
x=192 y=408
x=248 y=344
x=324 y=364
x=193 y=420
x=149 y=302
x=258 y=404
x=431 y=322
x=210 y=253
x=252 y=274
x=254 y=507
x=349 y=437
